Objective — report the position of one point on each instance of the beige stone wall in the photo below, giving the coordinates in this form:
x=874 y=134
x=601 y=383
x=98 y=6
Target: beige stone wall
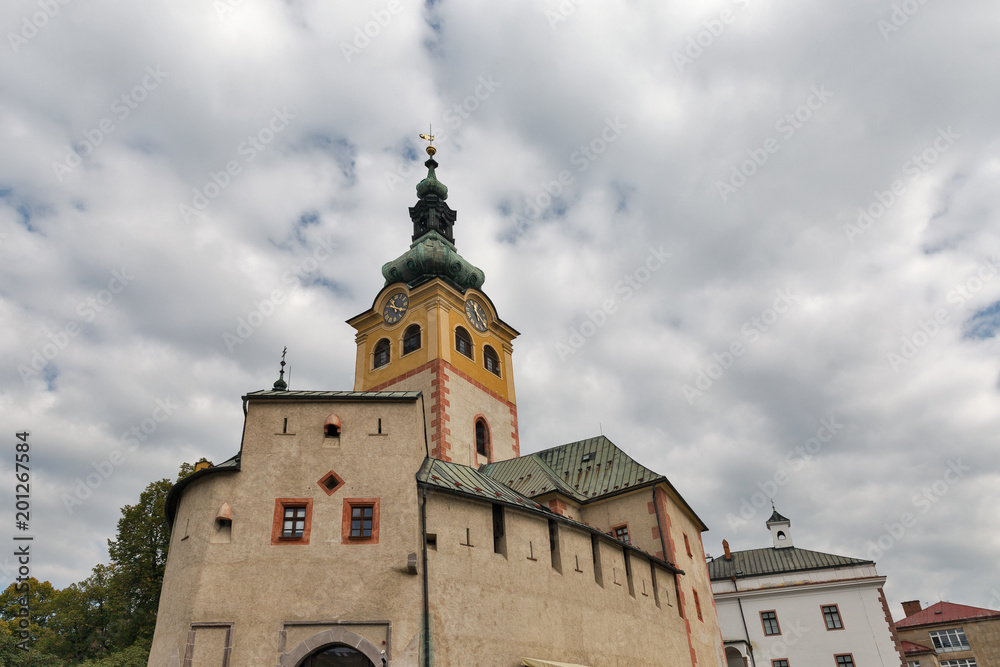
x=983 y=636
x=492 y=609
x=260 y=587
x=639 y=511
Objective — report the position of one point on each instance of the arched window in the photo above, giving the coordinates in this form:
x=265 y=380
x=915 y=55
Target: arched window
x=491 y=360
x=331 y=427
x=411 y=338
x=482 y=438
x=781 y=535
x=463 y=342
x=382 y=353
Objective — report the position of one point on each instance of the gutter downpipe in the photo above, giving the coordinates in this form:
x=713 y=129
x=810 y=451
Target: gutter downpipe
x=746 y=632
x=427 y=610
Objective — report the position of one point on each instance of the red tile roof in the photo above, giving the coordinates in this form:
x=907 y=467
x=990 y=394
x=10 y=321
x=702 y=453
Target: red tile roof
x=915 y=649
x=946 y=612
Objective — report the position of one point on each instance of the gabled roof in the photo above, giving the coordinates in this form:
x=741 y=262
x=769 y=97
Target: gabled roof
x=909 y=648
x=463 y=480
x=470 y=482
x=753 y=562
x=946 y=612
x=608 y=471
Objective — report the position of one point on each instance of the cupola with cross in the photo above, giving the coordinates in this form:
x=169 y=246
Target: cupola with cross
x=432 y=329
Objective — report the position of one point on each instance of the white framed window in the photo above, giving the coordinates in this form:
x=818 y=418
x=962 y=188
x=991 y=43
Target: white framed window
x=964 y=662
x=946 y=641
x=912 y=663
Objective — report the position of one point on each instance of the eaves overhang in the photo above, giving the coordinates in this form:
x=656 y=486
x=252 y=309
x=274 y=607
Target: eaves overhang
x=173 y=499
x=875 y=582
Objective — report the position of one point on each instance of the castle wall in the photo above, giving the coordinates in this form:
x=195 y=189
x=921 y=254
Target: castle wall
x=493 y=609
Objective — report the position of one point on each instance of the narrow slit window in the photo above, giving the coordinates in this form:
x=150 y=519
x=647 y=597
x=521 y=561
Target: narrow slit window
x=499 y=531
x=482 y=438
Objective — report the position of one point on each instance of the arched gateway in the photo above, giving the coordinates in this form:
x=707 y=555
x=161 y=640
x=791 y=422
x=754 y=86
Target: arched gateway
x=334 y=648
x=337 y=656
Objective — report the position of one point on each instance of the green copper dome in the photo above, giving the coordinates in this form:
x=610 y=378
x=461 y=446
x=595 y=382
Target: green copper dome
x=432 y=253
x=431 y=185
x=433 y=256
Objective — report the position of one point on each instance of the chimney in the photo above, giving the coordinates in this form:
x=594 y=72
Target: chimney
x=910 y=608
x=725 y=547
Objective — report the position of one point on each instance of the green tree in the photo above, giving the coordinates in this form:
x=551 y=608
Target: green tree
x=138 y=558
x=80 y=618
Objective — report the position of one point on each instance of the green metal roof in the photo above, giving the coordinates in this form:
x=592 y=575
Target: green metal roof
x=777 y=518
x=342 y=395
x=753 y=562
x=469 y=481
x=466 y=481
x=607 y=470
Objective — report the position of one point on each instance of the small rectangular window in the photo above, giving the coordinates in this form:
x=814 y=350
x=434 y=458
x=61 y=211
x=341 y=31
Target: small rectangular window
x=361 y=521
x=697 y=605
x=295 y=522
x=769 y=619
x=291 y=521
x=360 y=524
x=621 y=533
x=687 y=545
x=779 y=663
x=845 y=660
x=831 y=614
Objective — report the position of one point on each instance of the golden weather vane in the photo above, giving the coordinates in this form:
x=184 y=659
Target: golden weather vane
x=429 y=137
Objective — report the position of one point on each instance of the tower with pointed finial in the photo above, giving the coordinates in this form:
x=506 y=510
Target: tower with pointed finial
x=280 y=384
x=780 y=527
x=431 y=328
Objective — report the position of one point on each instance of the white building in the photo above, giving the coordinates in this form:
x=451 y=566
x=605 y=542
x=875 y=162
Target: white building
x=788 y=607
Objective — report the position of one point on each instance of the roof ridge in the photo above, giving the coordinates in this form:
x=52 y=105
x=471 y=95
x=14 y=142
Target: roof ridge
x=800 y=549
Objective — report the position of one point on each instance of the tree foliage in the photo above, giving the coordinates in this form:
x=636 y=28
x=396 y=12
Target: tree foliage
x=106 y=620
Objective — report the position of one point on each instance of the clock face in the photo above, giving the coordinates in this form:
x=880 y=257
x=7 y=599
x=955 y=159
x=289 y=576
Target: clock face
x=395 y=308
x=476 y=314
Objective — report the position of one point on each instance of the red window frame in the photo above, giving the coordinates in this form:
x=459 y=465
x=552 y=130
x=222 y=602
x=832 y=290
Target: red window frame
x=345 y=526
x=623 y=527
x=277 y=524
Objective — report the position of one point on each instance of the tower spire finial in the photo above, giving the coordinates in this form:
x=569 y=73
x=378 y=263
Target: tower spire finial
x=280 y=384
x=430 y=138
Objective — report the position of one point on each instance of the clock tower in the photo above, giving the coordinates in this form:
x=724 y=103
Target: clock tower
x=432 y=329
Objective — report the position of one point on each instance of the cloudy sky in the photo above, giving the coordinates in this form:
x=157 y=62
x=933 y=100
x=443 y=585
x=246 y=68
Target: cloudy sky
x=754 y=242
